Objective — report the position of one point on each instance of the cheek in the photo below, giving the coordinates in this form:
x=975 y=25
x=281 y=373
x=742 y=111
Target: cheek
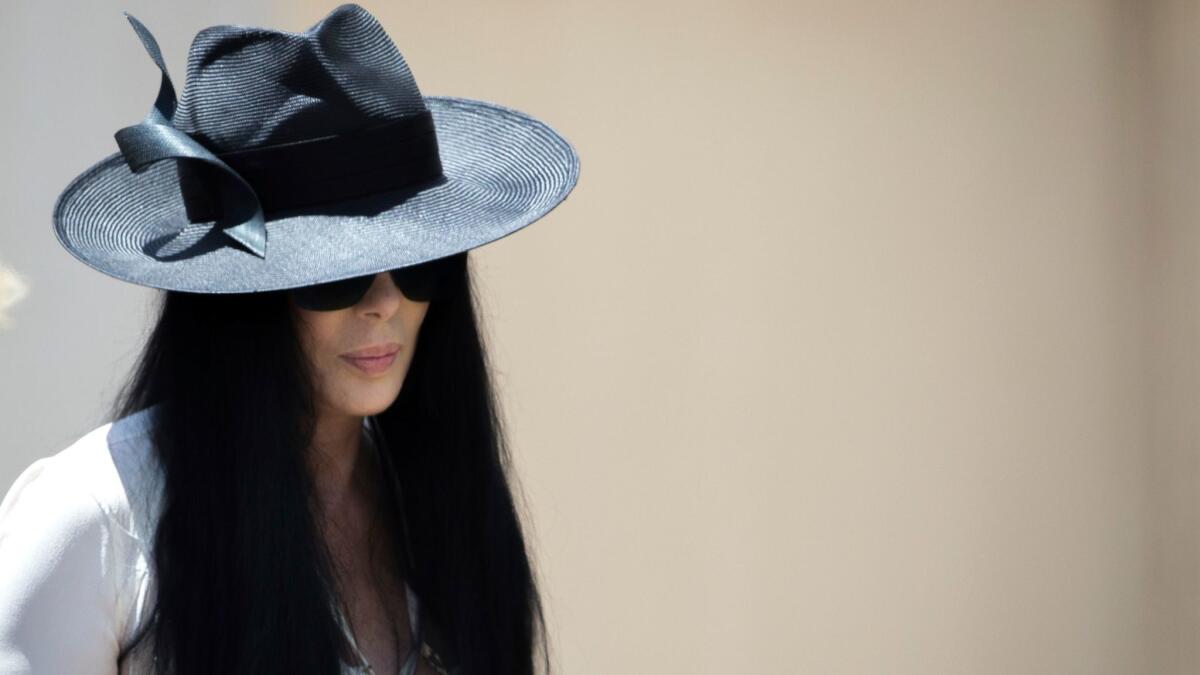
x=317 y=332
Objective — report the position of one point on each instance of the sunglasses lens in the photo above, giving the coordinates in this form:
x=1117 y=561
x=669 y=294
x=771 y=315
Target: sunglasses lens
x=333 y=295
x=419 y=282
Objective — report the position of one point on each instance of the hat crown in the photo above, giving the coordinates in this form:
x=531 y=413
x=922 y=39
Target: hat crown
x=249 y=87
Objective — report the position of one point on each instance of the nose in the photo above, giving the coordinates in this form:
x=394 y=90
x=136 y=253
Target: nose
x=383 y=298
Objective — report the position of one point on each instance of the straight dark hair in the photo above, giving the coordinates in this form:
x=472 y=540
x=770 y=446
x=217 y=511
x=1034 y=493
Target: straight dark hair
x=244 y=579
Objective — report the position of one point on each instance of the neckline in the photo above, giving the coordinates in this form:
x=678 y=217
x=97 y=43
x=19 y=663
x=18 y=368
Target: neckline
x=412 y=603
x=414 y=623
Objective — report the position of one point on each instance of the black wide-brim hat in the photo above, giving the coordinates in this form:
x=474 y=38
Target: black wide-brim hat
x=292 y=159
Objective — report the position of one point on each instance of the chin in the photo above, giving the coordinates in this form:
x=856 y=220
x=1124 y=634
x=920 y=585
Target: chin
x=371 y=401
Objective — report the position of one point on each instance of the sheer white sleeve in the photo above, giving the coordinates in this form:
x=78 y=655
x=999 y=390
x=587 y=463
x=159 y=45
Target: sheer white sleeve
x=59 y=569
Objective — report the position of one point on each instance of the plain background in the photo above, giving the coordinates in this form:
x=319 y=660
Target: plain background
x=867 y=343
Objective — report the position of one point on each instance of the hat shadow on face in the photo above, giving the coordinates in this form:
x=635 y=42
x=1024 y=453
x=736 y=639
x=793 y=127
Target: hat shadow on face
x=202 y=237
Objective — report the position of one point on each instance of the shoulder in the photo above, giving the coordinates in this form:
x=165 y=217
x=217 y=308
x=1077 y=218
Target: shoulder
x=111 y=468
x=70 y=529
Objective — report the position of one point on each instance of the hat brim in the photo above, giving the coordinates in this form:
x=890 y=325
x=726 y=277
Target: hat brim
x=504 y=170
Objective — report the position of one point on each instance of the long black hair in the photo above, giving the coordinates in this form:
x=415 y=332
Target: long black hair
x=244 y=581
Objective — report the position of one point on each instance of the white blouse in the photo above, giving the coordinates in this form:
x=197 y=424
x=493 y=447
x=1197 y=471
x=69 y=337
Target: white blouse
x=76 y=583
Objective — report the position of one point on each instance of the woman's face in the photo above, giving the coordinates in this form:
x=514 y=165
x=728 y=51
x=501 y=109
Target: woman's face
x=385 y=322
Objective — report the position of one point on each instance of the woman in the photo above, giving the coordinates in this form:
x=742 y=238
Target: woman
x=306 y=471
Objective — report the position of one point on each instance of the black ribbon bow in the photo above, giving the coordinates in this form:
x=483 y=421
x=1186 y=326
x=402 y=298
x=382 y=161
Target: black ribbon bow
x=155 y=139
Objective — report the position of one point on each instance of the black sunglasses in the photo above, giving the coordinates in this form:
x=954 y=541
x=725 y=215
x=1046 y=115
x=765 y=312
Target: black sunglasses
x=420 y=283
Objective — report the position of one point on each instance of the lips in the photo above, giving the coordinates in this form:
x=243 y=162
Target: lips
x=373 y=360
x=374 y=351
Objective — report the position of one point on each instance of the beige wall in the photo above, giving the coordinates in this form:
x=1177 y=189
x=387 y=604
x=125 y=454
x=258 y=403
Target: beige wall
x=866 y=344
x=1173 y=262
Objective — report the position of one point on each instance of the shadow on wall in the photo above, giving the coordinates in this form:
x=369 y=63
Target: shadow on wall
x=12 y=289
